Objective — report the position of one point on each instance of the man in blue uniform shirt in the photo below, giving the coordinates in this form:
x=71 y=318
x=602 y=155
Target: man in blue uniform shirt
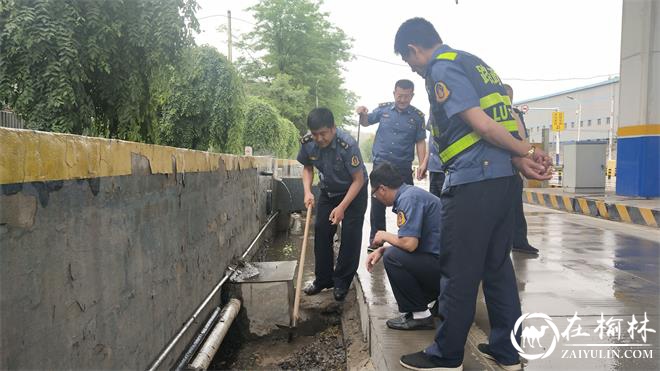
x=400 y=132
x=478 y=145
x=343 y=183
x=411 y=262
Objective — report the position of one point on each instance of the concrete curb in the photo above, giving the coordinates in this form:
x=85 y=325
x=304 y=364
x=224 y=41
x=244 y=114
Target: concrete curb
x=594 y=207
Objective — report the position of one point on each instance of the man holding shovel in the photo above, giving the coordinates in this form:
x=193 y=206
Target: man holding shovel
x=343 y=184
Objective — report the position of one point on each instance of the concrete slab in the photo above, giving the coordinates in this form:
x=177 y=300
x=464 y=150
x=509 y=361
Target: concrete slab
x=272 y=272
x=267 y=297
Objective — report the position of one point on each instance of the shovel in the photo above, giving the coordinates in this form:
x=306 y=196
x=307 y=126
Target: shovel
x=301 y=265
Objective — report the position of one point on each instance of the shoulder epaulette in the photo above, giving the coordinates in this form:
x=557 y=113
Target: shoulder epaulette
x=420 y=113
x=342 y=143
x=385 y=104
x=306 y=139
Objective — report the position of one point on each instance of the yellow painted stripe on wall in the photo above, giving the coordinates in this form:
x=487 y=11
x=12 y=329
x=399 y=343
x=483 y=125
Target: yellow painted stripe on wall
x=623 y=213
x=530 y=197
x=647 y=214
x=602 y=209
x=541 y=199
x=567 y=203
x=637 y=130
x=29 y=156
x=584 y=206
x=284 y=162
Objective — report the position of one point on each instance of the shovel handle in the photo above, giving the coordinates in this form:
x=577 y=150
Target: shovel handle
x=301 y=265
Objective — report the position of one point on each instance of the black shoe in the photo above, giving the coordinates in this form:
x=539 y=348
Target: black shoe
x=485 y=350
x=526 y=249
x=313 y=288
x=423 y=361
x=407 y=322
x=340 y=294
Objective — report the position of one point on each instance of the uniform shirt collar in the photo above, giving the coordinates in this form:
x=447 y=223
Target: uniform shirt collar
x=443 y=48
x=333 y=144
x=404 y=187
x=407 y=110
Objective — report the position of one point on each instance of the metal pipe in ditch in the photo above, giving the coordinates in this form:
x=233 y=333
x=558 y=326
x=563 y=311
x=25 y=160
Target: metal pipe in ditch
x=186 y=326
x=203 y=359
x=194 y=346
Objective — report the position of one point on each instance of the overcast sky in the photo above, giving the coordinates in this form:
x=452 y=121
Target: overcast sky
x=526 y=41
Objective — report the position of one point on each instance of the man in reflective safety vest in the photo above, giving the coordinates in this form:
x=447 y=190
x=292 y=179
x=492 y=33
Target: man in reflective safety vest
x=479 y=146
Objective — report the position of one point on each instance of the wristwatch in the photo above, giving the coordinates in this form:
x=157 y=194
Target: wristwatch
x=530 y=153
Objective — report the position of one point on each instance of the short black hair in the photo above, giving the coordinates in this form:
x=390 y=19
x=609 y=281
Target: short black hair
x=415 y=31
x=385 y=174
x=319 y=118
x=508 y=89
x=404 y=84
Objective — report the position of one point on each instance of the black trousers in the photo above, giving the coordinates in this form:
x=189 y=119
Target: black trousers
x=477 y=229
x=414 y=277
x=378 y=209
x=436 y=180
x=327 y=273
x=520 y=230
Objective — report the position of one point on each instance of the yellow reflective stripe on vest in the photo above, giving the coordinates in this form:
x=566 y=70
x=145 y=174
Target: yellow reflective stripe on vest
x=459 y=146
x=510 y=125
x=493 y=99
x=468 y=140
x=447 y=55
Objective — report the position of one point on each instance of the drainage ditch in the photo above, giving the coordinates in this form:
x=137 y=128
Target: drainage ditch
x=327 y=336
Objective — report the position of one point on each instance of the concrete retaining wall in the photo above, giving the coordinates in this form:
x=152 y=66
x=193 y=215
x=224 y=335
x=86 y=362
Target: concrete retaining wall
x=107 y=247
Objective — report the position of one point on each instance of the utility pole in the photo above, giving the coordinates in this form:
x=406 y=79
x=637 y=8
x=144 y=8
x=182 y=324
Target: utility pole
x=316 y=92
x=579 y=119
x=611 y=129
x=229 y=36
x=578 y=113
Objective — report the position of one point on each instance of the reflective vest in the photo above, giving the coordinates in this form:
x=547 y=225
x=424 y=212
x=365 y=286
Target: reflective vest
x=452 y=135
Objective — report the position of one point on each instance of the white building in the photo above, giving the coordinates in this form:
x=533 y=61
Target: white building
x=590 y=113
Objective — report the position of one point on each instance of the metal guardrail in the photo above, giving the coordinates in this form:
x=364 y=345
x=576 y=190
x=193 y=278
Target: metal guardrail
x=9 y=119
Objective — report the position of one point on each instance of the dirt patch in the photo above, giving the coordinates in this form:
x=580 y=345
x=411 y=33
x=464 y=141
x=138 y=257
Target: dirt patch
x=326 y=352
x=329 y=338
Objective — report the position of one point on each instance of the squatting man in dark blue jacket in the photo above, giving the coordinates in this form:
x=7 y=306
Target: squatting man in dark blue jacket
x=411 y=258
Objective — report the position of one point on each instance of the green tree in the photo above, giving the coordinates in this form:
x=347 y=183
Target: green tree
x=289 y=99
x=366 y=144
x=302 y=52
x=205 y=108
x=262 y=131
x=91 y=66
x=289 y=139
